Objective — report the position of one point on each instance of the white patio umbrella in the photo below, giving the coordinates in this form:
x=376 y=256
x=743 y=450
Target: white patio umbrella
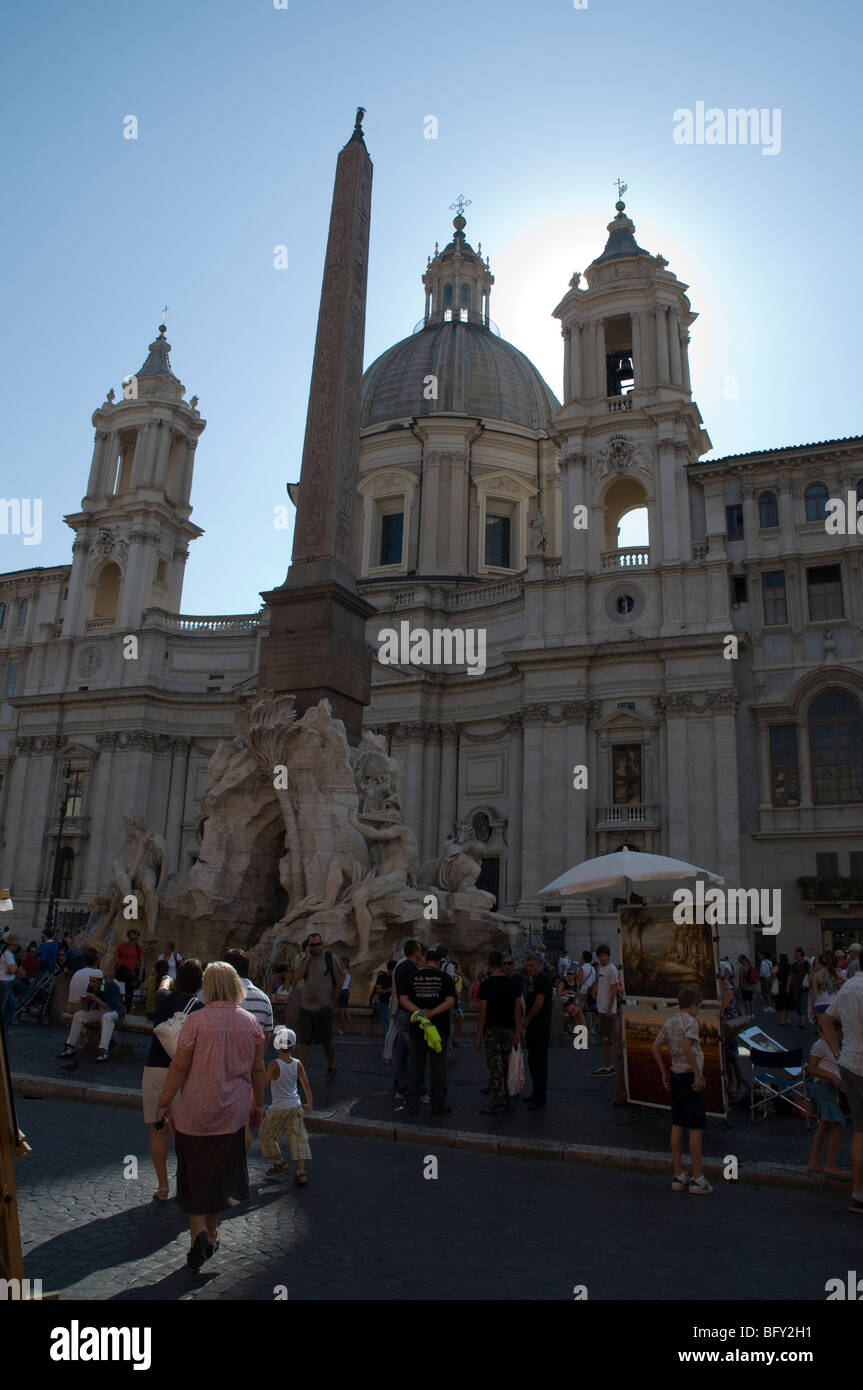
x=629 y=870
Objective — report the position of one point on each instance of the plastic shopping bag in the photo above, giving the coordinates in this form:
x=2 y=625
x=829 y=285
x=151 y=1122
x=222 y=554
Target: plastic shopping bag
x=515 y=1072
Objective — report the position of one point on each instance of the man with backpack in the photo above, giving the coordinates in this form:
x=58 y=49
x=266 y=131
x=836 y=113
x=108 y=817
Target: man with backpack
x=321 y=976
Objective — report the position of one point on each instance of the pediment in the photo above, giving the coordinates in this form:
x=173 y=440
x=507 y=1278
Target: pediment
x=624 y=721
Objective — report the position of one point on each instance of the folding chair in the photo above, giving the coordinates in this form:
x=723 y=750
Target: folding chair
x=777 y=1075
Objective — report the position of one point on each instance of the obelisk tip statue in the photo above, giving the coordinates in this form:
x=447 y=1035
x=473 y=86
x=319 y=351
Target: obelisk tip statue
x=316 y=644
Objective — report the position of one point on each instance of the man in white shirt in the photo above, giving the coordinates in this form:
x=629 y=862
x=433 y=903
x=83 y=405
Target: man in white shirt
x=80 y=982
x=606 y=1009
x=847 y=1007
x=172 y=959
x=8 y=975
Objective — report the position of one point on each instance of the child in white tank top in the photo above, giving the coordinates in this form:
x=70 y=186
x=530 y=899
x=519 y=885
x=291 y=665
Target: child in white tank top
x=285 y=1115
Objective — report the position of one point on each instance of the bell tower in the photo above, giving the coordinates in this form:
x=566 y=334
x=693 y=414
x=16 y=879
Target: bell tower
x=628 y=423
x=133 y=531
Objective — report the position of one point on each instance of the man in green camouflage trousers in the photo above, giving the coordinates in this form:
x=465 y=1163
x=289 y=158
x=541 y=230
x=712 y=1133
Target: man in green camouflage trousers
x=499 y=1018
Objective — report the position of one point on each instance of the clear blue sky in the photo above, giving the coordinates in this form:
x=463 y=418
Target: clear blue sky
x=242 y=111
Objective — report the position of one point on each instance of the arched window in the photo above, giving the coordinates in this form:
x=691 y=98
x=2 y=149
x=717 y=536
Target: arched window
x=768 y=510
x=2 y=616
x=447 y=296
x=815 y=497
x=626 y=528
x=836 y=743
x=107 y=593
x=67 y=865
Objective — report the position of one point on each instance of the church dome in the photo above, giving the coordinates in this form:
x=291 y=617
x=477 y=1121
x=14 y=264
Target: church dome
x=477 y=373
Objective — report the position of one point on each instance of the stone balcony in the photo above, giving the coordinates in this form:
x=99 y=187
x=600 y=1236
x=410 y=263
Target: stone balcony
x=628 y=557
x=635 y=813
x=210 y=625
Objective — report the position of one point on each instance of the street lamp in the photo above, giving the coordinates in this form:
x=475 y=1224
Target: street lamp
x=55 y=880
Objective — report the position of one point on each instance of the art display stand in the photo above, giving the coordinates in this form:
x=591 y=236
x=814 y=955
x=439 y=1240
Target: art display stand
x=660 y=956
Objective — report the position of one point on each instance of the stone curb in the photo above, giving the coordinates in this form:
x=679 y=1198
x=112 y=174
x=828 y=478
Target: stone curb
x=632 y=1160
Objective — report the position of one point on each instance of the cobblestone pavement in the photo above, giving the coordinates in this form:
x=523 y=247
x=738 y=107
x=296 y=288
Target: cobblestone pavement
x=579 y=1107
x=370 y=1226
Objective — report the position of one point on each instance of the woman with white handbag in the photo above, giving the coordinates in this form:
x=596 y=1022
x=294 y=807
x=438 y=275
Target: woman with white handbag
x=172 y=1008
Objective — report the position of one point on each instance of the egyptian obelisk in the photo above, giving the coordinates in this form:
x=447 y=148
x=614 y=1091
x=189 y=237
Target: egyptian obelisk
x=316 y=646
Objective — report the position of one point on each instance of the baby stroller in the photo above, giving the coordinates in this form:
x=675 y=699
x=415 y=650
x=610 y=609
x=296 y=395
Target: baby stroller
x=37 y=1003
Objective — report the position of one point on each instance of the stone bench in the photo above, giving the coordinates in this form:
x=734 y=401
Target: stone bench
x=132 y=1023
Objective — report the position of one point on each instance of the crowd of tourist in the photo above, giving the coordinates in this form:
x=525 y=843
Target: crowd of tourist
x=206 y=1074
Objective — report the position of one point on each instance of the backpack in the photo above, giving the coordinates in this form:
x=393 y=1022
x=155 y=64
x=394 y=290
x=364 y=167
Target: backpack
x=753 y=975
x=328 y=969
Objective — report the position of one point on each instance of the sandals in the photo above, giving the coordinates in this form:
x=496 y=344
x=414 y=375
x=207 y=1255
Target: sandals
x=300 y=1179
x=157 y=1195
x=277 y=1168
x=198 y=1252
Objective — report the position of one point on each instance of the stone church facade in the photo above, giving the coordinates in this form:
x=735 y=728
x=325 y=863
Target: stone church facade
x=698 y=695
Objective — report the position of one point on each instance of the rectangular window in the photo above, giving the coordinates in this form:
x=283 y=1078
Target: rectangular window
x=21 y=613
x=855 y=863
x=773 y=593
x=12 y=673
x=497 y=540
x=784 y=776
x=75 y=797
x=768 y=510
x=825 y=593
x=734 y=522
x=392 y=533
x=827 y=865
x=626 y=769
x=738 y=590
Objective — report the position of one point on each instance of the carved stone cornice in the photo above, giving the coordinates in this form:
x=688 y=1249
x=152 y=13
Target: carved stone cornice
x=24 y=745
x=108 y=739
x=145 y=537
x=514 y=722
x=449 y=733
x=535 y=714
x=46 y=743
x=431 y=733
x=722 y=701
x=676 y=705
x=407 y=733
x=709 y=702
x=580 y=710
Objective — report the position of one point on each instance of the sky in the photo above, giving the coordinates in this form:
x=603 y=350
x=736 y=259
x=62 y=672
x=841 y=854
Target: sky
x=241 y=110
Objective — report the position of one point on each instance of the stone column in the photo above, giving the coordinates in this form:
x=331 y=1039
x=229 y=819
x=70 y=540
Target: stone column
x=724 y=703
x=576 y=383
x=601 y=373
x=662 y=366
x=807 y=788
x=159 y=476
x=177 y=800
x=75 y=616
x=430 y=790
x=448 y=806
x=145 y=450
x=639 y=357
x=514 y=786
x=581 y=805
x=18 y=800
x=96 y=869
x=408 y=748
x=41 y=815
x=677 y=708
x=430 y=517
x=532 y=807
x=674 y=345
x=684 y=359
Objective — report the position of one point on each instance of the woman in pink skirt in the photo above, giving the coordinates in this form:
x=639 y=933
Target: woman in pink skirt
x=220 y=1066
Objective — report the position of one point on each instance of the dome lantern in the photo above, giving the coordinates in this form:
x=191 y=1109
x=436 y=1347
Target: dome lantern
x=457 y=281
